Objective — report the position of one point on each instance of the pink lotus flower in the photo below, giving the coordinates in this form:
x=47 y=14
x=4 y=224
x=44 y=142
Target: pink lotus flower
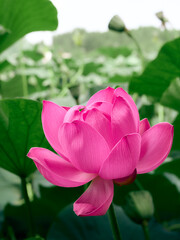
x=103 y=141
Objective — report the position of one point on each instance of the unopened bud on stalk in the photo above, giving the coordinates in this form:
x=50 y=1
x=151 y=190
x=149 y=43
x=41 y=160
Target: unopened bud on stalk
x=161 y=17
x=117 y=24
x=139 y=206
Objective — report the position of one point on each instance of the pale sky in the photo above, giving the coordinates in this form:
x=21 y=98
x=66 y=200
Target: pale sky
x=94 y=15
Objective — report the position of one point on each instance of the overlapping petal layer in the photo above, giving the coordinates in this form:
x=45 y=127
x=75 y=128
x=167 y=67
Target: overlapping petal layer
x=57 y=170
x=73 y=113
x=52 y=119
x=123 y=158
x=144 y=126
x=156 y=145
x=101 y=123
x=122 y=119
x=83 y=145
x=120 y=92
x=105 y=95
x=104 y=107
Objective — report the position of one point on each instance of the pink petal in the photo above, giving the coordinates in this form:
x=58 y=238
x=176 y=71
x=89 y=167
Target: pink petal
x=66 y=108
x=73 y=113
x=123 y=158
x=96 y=200
x=84 y=146
x=52 y=119
x=120 y=92
x=105 y=95
x=122 y=119
x=57 y=170
x=104 y=107
x=156 y=145
x=144 y=126
x=102 y=124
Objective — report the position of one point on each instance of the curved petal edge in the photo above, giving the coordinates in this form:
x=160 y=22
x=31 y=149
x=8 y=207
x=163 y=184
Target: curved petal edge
x=96 y=200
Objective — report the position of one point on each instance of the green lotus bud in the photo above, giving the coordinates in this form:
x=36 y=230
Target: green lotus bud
x=139 y=206
x=117 y=24
x=160 y=16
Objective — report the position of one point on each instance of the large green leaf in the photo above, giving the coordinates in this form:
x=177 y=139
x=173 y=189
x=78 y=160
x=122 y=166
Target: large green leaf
x=170 y=167
x=16 y=217
x=20 y=17
x=21 y=129
x=176 y=140
x=59 y=197
x=69 y=226
x=161 y=74
x=171 y=97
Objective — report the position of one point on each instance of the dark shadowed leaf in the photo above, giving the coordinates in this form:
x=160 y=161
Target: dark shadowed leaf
x=44 y=209
x=176 y=142
x=21 y=129
x=172 y=166
x=69 y=226
x=59 y=197
x=35 y=238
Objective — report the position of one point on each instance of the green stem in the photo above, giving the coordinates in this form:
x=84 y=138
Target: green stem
x=25 y=87
x=11 y=233
x=28 y=206
x=145 y=230
x=23 y=77
x=138 y=184
x=113 y=222
x=138 y=47
x=161 y=113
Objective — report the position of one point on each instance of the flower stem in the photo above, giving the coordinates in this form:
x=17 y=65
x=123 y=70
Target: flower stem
x=145 y=230
x=137 y=45
x=28 y=206
x=114 y=224
x=138 y=184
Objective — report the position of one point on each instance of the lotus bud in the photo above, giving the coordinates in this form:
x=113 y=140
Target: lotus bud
x=161 y=17
x=117 y=24
x=139 y=206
